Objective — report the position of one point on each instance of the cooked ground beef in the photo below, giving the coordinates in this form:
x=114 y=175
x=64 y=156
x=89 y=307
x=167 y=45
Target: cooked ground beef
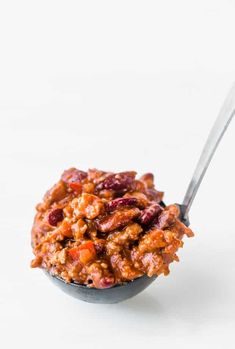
x=101 y=229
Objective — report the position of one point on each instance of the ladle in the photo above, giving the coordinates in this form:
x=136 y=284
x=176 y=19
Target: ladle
x=129 y=289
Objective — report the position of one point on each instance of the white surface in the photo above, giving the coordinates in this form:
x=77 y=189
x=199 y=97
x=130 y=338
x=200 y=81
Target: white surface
x=117 y=85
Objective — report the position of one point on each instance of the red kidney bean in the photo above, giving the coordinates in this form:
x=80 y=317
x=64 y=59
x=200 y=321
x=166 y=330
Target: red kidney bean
x=149 y=214
x=118 y=182
x=121 y=202
x=55 y=216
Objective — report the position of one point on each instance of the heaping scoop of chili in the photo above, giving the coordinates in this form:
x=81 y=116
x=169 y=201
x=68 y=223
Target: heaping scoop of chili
x=101 y=229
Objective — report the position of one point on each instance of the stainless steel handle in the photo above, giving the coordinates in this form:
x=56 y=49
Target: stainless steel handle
x=225 y=116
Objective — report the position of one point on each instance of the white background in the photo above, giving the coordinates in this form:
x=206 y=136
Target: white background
x=117 y=85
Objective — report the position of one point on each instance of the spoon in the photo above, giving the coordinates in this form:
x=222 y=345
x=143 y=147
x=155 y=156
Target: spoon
x=129 y=289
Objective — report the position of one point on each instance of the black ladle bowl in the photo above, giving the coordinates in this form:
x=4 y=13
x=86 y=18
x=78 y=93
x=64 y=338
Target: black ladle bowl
x=130 y=289
x=115 y=294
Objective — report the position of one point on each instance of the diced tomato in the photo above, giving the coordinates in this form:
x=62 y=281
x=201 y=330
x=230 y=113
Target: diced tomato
x=76 y=186
x=87 y=245
x=83 y=253
x=65 y=229
x=74 y=253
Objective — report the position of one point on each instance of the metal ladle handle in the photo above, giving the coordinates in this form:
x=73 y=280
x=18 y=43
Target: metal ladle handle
x=225 y=116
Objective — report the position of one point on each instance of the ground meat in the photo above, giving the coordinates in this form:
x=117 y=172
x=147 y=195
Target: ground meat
x=100 y=228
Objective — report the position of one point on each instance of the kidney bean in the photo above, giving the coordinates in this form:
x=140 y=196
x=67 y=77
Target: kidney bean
x=118 y=182
x=149 y=213
x=120 y=202
x=55 y=216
